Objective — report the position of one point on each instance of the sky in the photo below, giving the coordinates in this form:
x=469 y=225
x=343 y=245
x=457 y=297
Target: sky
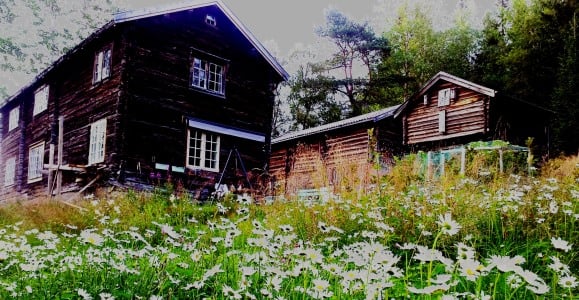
x=285 y=25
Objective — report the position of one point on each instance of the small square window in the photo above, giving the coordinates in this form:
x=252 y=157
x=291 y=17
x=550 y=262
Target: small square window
x=209 y=19
x=102 y=64
x=40 y=100
x=444 y=97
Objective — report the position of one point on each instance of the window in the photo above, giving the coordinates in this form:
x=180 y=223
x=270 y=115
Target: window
x=102 y=64
x=35 y=162
x=444 y=96
x=40 y=100
x=13 y=118
x=207 y=75
x=203 y=150
x=9 y=171
x=209 y=19
x=98 y=134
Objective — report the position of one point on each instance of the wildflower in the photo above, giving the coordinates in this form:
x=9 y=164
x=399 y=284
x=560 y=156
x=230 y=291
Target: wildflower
x=569 y=282
x=84 y=294
x=448 y=225
x=286 y=228
x=155 y=297
x=89 y=236
x=106 y=296
x=561 y=244
x=323 y=227
x=429 y=289
x=320 y=289
x=470 y=269
x=231 y=293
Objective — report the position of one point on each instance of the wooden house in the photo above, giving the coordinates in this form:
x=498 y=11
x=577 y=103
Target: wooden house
x=339 y=156
x=166 y=93
x=449 y=111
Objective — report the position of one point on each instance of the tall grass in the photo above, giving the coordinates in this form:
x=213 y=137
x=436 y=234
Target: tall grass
x=458 y=237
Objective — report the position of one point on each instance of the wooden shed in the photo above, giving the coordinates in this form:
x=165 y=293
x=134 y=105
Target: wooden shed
x=449 y=111
x=161 y=94
x=341 y=156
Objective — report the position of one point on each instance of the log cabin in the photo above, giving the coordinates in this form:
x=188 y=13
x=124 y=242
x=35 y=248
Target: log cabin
x=342 y=156
x=160 y=94
x=450 y=111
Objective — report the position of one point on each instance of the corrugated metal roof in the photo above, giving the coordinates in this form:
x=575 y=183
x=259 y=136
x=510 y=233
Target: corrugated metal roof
x=374 y=116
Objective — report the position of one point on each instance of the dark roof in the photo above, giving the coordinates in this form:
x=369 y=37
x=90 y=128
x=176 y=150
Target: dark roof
x=446 y=77
x=128 y=16
x=374 y=116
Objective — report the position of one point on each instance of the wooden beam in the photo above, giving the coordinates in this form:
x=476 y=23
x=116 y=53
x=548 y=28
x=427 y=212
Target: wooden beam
x=64 y=168
x=60 y=149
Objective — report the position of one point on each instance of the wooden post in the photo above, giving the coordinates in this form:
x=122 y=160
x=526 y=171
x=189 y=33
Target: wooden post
x=442 y=161
x=501 y=160
x=50 y=170
x=59 y=159
x=428 y=164
x=462 y=161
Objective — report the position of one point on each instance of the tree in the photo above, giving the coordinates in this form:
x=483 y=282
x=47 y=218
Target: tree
x=310 y=99
x=35 y=33
x=356 y=45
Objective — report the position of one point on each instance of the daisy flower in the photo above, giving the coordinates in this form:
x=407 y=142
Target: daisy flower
x=448 y=225
x=561 y=244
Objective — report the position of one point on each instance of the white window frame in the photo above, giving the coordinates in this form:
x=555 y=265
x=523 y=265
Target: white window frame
x=102 y=64
x=207 y=75
x=201 y=150
x=97 y=142
x=40 y=100
x=13 y=118
x=35 y=162
x=444 y=97
x=9 y=171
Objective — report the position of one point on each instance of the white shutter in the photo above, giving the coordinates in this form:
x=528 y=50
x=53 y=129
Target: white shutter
x=442 y=121
x=9 y=171
x=13 y=118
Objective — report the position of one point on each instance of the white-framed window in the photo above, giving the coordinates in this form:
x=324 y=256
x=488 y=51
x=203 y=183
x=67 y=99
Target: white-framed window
x=207 y=76
x=209 y=19
x=445 y=95
x=203 y=150
x=40 y=100
x=102 y=64
x=13 y=118
x=9 y=171
x=35 y=162
x=98 y=137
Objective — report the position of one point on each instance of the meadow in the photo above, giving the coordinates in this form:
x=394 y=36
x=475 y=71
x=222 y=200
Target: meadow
x=479 y=236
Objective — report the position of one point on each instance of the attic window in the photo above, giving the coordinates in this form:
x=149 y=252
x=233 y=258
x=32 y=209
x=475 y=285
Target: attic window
x=445 y=95
x=209 y=19
x=102 y=64
x=40 y=100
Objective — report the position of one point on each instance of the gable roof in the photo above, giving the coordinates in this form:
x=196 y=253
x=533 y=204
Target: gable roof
x=449 y=78
x=138 y=14
x=374 y=116
x=127 y=16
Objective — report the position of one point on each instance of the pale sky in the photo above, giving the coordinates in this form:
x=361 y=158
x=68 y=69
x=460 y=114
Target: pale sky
x=283 y=24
